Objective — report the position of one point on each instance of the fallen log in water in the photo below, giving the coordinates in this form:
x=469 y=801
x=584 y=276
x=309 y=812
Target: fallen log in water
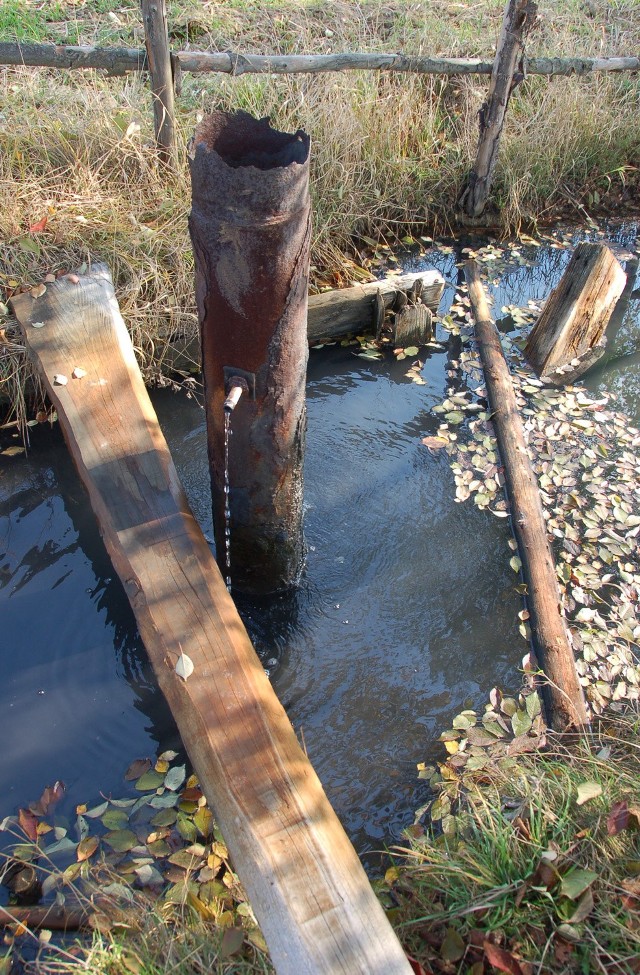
x=568 y=337
x=307 y=887
x=561 y=691
x=53 y=917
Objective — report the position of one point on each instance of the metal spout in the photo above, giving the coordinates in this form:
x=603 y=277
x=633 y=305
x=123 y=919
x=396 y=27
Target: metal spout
x=235 y=388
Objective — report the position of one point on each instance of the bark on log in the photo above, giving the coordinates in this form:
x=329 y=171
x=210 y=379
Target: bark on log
x=303 y=878
x=53 y=918
x=569 y=334
x=118 y=61
x=519 y=17
x=154 y=17
x=561 y=691
x=250 y=225
x=338 y=312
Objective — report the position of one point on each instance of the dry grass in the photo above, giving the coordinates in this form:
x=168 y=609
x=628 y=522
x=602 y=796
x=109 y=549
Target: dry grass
x=390 y=153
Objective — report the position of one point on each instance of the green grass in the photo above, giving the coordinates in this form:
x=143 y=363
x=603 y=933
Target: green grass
x=531 y=869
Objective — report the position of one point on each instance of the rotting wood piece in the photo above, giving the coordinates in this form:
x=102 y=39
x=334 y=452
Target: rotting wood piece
x=561 y=691
x=574 y=319
x=118 y=60
x=303 y=878
x=338 y=312
x=412 y=325
x=53 y=917
x=154 y=17
x=519 y=17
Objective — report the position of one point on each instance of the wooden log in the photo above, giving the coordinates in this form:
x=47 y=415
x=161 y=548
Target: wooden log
x=561 y=691
x=121 y=60
x=156 y=35
x=306 y=885
x=336 y=313
x=53 y=917
x=250 y=225
x=569 y=334
x=519 y=17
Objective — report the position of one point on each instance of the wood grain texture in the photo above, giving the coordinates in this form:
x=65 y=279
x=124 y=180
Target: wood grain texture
x=156 y=38
x=303 y=877
x=561 y=692
x=120 y=60
x=344 y=310
x=519 y=16
x=575 y=317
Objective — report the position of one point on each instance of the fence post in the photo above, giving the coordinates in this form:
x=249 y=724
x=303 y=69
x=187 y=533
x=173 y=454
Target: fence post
x=156 y=38
x=519 y=17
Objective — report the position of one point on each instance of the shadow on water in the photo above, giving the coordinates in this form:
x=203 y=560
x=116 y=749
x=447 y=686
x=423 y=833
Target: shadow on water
x=406 y=611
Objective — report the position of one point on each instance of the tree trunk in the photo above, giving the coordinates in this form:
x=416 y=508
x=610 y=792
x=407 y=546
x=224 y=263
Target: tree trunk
x=561 y=691
x=519 y=17
x=250 y=226
x=569 y=334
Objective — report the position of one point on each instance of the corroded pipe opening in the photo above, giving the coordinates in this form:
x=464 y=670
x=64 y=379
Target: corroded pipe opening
x=235 y=388
x=242 y=140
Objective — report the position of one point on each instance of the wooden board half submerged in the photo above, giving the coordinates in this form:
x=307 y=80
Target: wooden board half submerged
x=307 y=887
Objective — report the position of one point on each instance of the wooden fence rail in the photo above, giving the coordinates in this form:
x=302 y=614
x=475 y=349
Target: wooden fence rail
x=120 y=60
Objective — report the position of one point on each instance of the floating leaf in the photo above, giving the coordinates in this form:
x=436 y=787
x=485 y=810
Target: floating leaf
x=184 y=666
x=137 y=768
x=175 y=777
x=87 y=847
x=121 y=840
x=97 y=811
x=115 y=819
x=149 y=781
x=147 y=874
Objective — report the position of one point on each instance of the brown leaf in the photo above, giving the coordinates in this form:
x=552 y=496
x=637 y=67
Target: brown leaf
x=416 y=967
x=503 y=960
x=50 y=796
x=39 y=226
x=618 y=818
x=29 y=824
x=38 y=290
x=435 y=443
x=232 y=941
x=137 y=768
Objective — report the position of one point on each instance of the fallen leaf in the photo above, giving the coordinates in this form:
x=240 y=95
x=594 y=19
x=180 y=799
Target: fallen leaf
x=618 y=818
x=137 y=768
x=588 y=790
x=574 y=883
x=38 y=290
x=501 y=959
x=60 y=380
x=453 y=946
x=435 y=443
x=29 y=823
x=39 y=226
x=79 y=372
x=232 y=941
x=87 y=847
x=184 y=666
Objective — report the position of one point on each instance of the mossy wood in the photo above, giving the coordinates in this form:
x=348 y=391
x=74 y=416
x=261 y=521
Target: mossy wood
x=561 y=691
x=338 y=312
x=120 y=60
x=519 y=17
x=306 y=885
x=569 y=335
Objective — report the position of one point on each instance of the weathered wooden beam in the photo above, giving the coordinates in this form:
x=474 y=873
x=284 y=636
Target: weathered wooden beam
x=53 y=917
x=568 y=337
x=561 y=691
x=305 y=883
x=156 y=35
x=519 y=17
x=343 y=310
x=120 y=60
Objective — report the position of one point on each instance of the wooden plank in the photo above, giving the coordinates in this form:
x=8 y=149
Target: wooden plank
x=569 y=334
x=118 y=60
x=303 y=877
x=561 y=692
x=335 y=313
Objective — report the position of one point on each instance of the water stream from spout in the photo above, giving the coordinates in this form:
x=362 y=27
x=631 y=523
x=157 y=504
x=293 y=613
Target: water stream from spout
x=227 y=505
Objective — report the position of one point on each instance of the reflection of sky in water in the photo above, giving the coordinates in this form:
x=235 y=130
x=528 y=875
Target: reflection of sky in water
x=405 y=613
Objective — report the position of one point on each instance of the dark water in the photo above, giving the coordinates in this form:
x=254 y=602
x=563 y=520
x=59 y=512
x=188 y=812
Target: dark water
x=405 y=614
